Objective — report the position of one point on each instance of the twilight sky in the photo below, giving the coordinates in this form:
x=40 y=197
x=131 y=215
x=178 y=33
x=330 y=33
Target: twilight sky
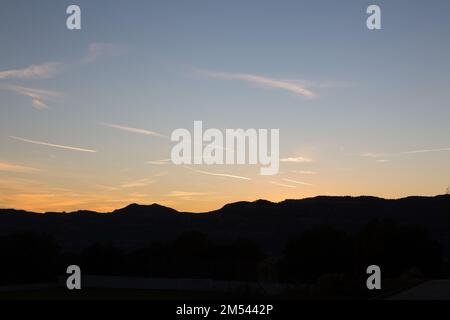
x=85 y=115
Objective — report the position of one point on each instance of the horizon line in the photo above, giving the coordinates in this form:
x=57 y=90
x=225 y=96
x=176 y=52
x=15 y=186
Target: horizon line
x=230 y=203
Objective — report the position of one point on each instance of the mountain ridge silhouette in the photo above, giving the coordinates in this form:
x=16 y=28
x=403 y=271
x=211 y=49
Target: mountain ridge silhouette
x=135 y=206
x=268 y=223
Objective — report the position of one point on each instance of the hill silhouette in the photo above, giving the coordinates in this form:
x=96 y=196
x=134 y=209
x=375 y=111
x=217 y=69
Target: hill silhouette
x=267 y=223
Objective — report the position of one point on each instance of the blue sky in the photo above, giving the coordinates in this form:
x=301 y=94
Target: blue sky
x=380 y=97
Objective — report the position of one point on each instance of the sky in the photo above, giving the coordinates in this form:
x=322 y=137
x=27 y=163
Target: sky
x=86 y=115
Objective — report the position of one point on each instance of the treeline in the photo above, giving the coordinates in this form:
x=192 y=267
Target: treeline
x=306 y=259
x=396 y=249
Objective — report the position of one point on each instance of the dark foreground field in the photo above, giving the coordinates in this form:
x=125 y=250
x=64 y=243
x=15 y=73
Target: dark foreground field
x=302 y=249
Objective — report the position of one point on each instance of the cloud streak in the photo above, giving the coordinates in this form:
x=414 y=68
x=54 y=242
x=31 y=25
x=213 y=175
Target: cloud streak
x=183 y=194
x=295 y=160
x=52 y=145
x=38 y=71
x=220 y=174
x=381 y=155
x=98 y=50
x=305 y=172
x=283 y=185
x=298 y=182
x=293 y=86
x=48 y=70
x=426 y=151
x=39 y=98
x=132 y=130
x=159 y=162
x=136 y=183
x=11 y=167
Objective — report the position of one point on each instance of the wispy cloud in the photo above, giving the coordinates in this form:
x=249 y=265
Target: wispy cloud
x=50 y=69
x=39 y=98
x=38 y=71
x=382 y=155
x=136 y=183
x=53 y=145
x=177 y=194
x=161 y=174
x=188 y=195
x=159 y=162
x=296 y=160
x=106 y=188
x=293 y=86
x=132 y=130
x=219 y=174
x=298 y=182
x=97 y=50
x=305 y=172
x=372 y=155
x=283 y=185
x=11 y=167
x=426 y=151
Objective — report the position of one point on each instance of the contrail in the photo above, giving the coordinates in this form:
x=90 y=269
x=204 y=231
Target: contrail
x=298 y=182
x=220 y=174
x=426 y=150
x=132 y=130
x=282 y=185
x=52 y=145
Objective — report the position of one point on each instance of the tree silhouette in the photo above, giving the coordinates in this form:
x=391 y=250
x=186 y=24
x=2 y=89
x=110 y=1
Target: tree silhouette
x=28 y=258
x=397 y=249
x=239 y=261
x=152 y=260
x=317 y=252
x=191 y=256
x=103 y=259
